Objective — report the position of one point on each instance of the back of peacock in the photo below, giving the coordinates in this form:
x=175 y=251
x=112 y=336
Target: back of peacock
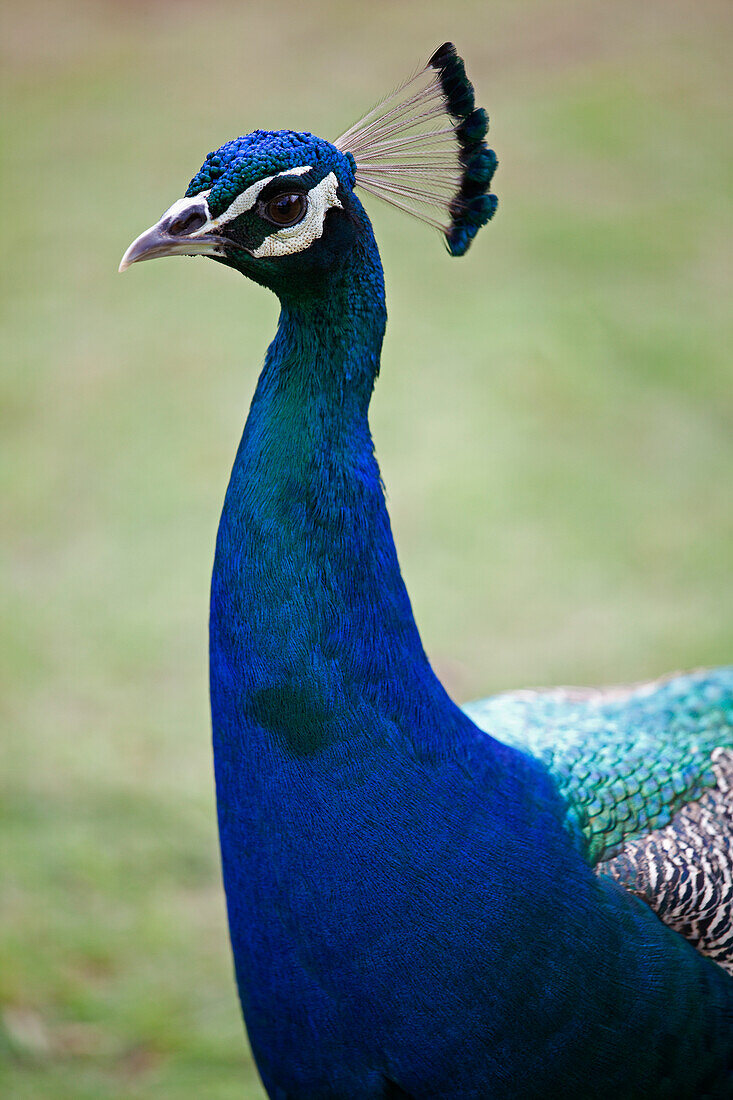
x=531 y=896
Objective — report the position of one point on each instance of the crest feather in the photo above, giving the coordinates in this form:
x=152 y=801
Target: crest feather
x=422 y=150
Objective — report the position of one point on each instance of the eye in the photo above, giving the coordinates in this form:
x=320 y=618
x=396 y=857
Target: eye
x=286 y=209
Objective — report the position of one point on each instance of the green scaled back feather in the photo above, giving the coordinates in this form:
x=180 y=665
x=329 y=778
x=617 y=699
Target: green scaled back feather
x=624 y=760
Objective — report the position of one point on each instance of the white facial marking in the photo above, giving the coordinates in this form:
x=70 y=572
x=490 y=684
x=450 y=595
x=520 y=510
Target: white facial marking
x=246 y=200
x=296 y=238
x=243 y=202
x=281 y=242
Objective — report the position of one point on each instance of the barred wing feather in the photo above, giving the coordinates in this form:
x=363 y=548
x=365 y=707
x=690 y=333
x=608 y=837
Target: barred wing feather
x=646 y=775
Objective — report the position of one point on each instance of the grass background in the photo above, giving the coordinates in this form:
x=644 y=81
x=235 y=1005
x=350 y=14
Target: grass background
x=553 y=421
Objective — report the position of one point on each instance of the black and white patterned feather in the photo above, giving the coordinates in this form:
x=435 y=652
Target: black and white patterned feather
x=685 y=871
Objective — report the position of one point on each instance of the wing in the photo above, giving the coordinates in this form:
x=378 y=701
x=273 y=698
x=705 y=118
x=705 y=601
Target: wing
x=646 y=774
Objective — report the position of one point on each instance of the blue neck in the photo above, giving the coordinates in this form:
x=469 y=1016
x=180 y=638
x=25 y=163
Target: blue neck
x=313 y=643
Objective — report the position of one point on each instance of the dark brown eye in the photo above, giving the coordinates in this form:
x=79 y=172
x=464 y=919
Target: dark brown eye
x=285 y=209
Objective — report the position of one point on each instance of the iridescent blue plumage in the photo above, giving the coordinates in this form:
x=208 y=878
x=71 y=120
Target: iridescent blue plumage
x=415 y=903
x=229 y=170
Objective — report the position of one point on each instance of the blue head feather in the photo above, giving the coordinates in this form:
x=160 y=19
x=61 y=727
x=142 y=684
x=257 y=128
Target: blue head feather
x=239 y=163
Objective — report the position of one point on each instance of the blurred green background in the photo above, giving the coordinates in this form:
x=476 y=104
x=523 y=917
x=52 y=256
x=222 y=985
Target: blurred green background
x=553 y=421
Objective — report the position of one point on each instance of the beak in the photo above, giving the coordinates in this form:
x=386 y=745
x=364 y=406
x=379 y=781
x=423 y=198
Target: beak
x=171 y=236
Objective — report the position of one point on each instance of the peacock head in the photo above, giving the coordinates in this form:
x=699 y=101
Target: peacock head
x=280 y=207
x=273 y=205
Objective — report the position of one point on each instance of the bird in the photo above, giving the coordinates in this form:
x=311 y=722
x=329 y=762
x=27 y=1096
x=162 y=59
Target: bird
x=530 y=896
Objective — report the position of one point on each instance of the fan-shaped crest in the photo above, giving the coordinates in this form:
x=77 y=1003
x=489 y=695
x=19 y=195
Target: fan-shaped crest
x=422 y=149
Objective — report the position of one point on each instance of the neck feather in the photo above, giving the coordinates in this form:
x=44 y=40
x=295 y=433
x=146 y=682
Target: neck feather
x=313 y=641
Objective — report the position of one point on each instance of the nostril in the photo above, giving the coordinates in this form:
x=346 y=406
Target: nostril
x=186 y=223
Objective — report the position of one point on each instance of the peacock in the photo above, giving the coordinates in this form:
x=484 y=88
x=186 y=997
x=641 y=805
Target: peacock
x=529 y=896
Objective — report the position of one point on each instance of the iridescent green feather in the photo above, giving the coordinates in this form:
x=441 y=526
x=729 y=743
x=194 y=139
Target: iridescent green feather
x=625 y=760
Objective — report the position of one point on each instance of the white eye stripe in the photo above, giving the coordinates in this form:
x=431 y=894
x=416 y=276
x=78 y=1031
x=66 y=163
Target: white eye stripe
x=243 y=202
x=240 y=205
x=281 y=242
x=296 y=238
x=248 y=197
